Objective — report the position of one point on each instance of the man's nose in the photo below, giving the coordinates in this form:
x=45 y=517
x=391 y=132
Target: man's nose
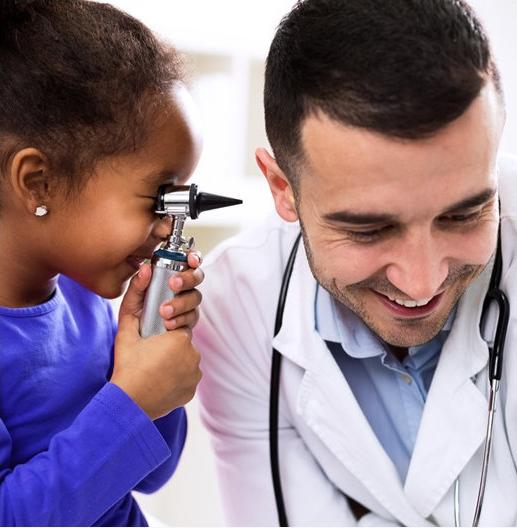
x=419 y=266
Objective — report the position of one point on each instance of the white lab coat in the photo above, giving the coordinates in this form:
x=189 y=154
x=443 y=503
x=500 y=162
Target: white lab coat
x=327 y=448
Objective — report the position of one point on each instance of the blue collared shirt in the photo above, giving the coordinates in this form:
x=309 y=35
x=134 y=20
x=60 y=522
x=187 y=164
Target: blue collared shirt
x=390 y=393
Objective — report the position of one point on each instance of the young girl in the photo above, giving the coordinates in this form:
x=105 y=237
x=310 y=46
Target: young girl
x=93 y=119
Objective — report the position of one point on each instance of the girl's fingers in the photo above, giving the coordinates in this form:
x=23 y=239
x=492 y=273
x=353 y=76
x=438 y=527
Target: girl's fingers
x=186 y=280
x=194 y=259
x=183 y=303
x=187 y=320
x=133 y=299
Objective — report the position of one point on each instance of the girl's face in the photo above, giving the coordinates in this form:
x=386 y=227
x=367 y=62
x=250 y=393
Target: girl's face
x=100 y=237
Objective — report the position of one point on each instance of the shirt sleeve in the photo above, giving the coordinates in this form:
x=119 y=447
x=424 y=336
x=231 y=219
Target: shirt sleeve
x=173 y=429
x=109 y=448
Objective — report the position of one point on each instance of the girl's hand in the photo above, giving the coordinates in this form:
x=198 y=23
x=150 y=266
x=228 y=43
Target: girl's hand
x=182 y=310
x=160 y=372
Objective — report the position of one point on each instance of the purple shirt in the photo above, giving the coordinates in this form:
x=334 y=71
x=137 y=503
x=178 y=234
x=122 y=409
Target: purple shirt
x=73 y=445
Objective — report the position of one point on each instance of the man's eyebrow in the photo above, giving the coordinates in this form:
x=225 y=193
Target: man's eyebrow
x=473 y=201
x=349 y=217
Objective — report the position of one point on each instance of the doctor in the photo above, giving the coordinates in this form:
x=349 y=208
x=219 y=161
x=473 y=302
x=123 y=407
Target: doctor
x=384 y=118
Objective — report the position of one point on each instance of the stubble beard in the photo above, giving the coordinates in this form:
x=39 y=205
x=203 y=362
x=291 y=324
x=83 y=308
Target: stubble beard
x=402 y=332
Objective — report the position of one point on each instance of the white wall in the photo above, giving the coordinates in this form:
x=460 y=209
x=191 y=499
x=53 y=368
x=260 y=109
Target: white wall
x=500 y=19
x=242 y=30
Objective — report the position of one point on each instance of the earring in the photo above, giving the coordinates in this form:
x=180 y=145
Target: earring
x=41 y=210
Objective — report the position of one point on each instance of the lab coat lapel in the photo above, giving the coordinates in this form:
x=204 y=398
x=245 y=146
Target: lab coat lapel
x=328 y=406
x=454 y=418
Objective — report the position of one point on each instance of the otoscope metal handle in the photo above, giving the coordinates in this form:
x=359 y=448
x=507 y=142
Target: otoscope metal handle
x=151 y=323
x=178 y=202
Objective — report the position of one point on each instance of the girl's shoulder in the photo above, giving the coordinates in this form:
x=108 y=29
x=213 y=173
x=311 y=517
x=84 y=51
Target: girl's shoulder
x=82 y=300
x=70 y=300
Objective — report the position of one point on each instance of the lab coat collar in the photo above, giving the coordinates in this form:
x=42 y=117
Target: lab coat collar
x=291 y=340
x=328 y=407
x=454 y=418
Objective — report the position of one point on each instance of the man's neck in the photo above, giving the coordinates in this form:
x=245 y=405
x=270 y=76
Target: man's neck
x=399 y=352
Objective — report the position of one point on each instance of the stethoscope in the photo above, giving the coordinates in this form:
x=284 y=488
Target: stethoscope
x=494 y=295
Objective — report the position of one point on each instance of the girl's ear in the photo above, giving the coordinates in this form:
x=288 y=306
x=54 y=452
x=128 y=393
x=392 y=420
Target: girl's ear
x=30 y=178
x=279 y=185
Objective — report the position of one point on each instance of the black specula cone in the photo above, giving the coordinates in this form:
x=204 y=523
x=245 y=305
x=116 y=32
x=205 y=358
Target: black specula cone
x=205 y=201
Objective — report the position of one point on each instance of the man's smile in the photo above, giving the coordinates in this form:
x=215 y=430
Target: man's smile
x=409 y=308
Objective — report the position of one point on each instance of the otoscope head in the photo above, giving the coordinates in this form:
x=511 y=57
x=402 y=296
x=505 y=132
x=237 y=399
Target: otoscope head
x=185 y=200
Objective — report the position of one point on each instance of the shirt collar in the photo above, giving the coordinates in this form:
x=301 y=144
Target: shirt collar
x=337 y=323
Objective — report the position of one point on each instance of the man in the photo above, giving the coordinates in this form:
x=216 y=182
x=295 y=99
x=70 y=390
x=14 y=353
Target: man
x=385 y=120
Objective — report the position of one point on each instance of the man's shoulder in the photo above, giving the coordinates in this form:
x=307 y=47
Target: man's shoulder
x=245 y=271
x=240 y=291
x=268 y=241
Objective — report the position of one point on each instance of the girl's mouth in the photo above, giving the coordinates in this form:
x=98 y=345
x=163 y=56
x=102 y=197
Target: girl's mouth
x=135 y=261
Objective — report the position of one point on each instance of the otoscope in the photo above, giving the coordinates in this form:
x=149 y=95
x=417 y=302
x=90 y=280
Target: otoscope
x=178 y=202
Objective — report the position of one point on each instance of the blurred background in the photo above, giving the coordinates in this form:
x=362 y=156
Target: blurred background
x=225 y=43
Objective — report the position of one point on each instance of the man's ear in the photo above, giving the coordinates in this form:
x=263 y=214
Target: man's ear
x=30 y=179
x=279 y=185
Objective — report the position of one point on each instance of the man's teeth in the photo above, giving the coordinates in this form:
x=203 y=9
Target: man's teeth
x=409 y=303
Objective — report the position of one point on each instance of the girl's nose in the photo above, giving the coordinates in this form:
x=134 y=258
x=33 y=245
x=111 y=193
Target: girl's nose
x=162 y=227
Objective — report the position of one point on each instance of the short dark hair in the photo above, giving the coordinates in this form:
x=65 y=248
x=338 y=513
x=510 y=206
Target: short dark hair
x=76 y=81
x=403 y=68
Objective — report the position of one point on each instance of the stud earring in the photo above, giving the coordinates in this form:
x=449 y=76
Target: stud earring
x=41 y=210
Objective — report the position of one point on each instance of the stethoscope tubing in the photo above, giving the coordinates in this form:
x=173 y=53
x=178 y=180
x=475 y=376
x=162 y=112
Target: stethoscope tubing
x=495 y=367
x=494 y=387
x=276 y=364
x=494 y=294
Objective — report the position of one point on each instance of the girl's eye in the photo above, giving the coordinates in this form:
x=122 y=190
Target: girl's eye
x=372 y=235
x=150 y=203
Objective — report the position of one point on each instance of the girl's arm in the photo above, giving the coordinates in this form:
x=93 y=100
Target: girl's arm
x=173 y=427
x=108 y=449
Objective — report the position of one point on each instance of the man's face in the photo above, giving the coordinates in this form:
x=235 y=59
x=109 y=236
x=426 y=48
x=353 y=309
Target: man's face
x=391 y=223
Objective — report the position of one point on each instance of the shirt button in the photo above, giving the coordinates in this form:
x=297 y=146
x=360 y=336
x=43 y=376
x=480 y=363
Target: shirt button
x=407 y=378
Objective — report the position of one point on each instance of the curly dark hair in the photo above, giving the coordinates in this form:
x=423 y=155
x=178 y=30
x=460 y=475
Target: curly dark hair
x=403 y=68
x=78 y=80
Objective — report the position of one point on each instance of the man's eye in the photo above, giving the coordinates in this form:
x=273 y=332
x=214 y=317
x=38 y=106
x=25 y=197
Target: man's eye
x=461 y=218
x=369 y=236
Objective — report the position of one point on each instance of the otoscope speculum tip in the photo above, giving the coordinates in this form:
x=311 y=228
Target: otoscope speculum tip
x=186 y=200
